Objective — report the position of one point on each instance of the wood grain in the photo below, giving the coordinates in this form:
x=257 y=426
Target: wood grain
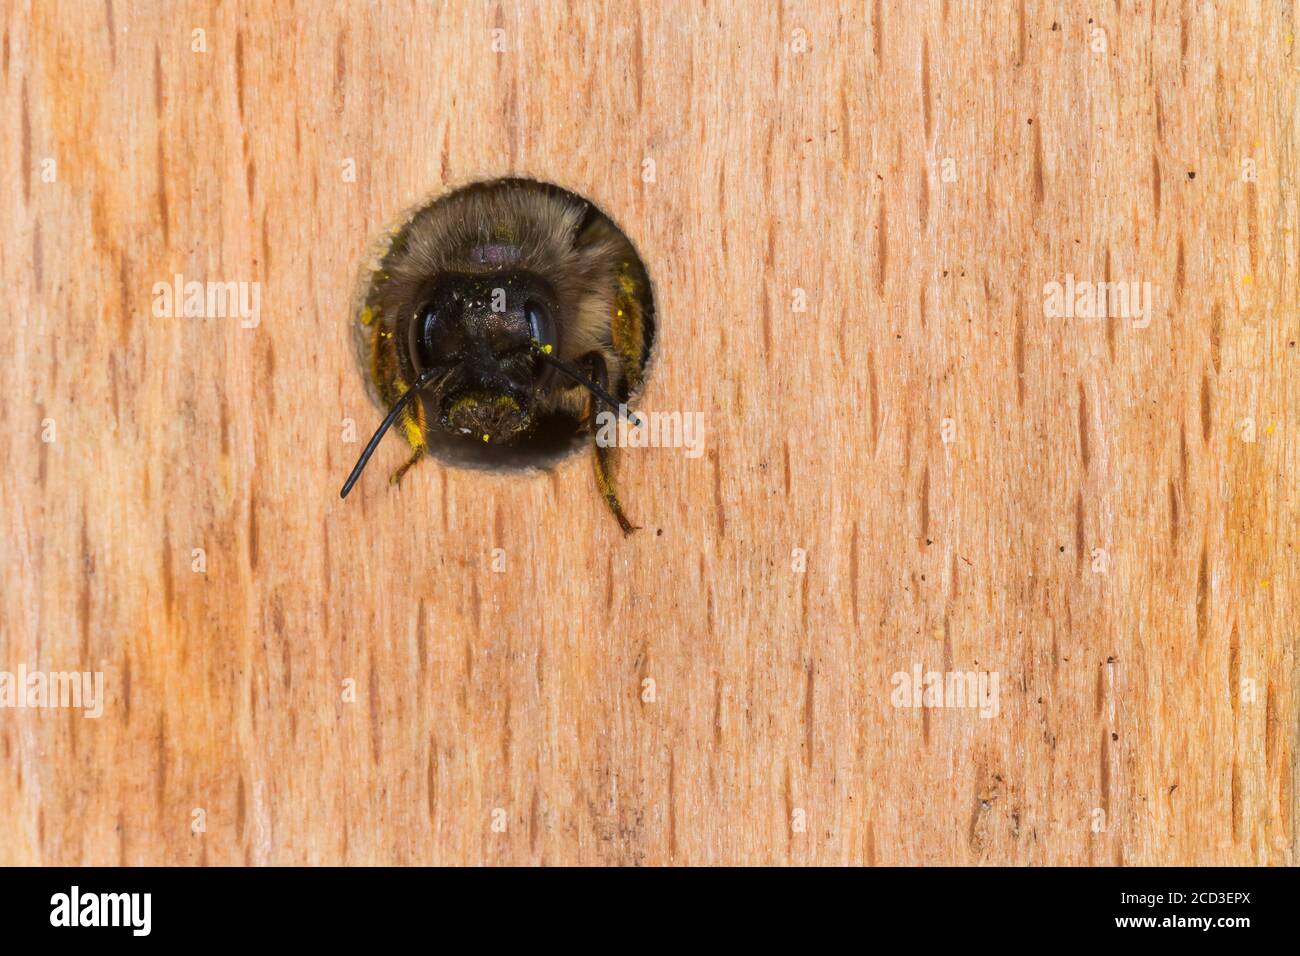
x=798 y=153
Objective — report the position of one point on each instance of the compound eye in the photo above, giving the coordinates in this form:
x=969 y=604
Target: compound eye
x=540 y=324
x=542 y=328
x=433 y=339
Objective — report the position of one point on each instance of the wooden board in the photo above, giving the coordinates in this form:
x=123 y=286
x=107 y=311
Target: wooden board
x=1101 y=513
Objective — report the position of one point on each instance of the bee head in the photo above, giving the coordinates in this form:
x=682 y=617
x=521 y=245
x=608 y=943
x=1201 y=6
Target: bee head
x=485 y=330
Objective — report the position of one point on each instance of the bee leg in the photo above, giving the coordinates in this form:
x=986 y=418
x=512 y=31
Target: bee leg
x=413 y=432
x=397 y=476
x=605 y=483
x=602 y=458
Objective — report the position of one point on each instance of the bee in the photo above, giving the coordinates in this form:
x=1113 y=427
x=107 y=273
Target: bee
x=499 y=321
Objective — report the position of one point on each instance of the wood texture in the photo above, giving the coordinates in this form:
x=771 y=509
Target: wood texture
x=798 y=156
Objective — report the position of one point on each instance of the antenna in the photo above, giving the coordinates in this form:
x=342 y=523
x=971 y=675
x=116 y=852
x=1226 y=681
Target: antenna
x=619 y=409
x=425 y=377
